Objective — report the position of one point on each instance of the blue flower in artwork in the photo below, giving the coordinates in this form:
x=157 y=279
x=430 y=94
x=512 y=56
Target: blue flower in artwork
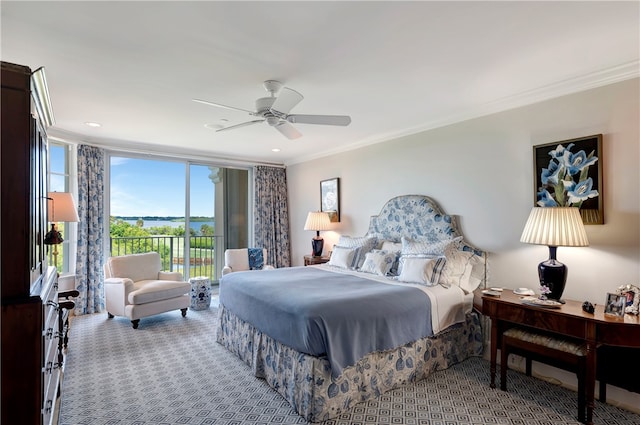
x=560 y=151
x=578 y=161
x=582 y=191
x=565 y=180
x=550 y=175
x=545 y=199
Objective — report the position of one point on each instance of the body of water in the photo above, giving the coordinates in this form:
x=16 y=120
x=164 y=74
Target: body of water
x=195 y=225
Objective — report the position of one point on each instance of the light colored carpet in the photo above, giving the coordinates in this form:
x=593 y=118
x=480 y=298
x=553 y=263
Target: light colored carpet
x=171 y=371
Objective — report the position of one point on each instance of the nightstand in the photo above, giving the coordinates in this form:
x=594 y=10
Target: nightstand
x=310 y=259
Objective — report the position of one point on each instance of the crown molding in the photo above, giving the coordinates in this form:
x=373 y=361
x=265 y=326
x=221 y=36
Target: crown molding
x=138 y=148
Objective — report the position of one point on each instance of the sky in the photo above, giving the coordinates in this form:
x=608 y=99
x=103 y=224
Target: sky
x=142 y=187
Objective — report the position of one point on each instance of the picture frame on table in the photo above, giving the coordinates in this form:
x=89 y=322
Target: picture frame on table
x=615 y=304
x=568 y=173
x=330 y=198
x=632 y=295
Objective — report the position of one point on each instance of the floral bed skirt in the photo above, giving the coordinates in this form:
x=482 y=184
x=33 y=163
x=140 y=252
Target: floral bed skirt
x=305 y=381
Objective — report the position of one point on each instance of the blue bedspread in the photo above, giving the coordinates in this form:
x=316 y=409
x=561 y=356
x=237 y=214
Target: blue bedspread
x=320 y=312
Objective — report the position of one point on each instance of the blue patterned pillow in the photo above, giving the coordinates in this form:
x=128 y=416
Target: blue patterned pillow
x=378 y=262
x=256 y=262
x=396 y=248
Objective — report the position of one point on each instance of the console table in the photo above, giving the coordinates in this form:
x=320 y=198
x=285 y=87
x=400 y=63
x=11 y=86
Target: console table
x=507 y=311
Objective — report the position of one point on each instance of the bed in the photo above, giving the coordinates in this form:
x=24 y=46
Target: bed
x=329 y=336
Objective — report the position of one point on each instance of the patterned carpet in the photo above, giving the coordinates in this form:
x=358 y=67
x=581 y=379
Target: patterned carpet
x=171 y=371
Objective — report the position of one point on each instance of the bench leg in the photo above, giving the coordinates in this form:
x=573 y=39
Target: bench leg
x=504 y=357
x=603 y=391
x=528 y=366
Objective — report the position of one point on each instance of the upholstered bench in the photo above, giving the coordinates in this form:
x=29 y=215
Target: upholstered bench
x=549 y=349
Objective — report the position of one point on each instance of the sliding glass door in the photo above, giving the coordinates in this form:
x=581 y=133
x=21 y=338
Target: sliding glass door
x=175 y=208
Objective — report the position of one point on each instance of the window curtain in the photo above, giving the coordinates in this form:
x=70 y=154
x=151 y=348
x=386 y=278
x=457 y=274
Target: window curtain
x=271 y=214
x=90 y=252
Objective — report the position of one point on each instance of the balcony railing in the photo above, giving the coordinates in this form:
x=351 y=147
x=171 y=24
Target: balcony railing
x=201 y=254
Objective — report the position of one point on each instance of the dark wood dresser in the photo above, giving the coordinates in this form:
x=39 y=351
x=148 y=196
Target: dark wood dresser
x=30 y=366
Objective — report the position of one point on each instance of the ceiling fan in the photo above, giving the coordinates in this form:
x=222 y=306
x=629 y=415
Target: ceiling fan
x=275 y=111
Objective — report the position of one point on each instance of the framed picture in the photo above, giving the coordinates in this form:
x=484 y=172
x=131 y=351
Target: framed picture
x=568 y=173
x=632 y=295
x=330 y=198
x=615 y=304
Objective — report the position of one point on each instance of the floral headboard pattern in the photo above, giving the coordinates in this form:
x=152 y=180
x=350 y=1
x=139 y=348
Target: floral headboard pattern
x=418 y=217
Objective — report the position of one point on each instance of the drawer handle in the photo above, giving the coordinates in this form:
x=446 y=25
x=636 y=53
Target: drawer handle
x=49 y=333
x=49 y=406
x=49 y=367
x=52 y=304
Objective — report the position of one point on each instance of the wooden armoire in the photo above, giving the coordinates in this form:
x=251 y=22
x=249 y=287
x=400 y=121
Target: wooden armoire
x=30 y=367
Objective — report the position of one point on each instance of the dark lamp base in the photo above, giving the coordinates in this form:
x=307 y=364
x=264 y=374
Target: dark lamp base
x=553 y=275
x=317 y=245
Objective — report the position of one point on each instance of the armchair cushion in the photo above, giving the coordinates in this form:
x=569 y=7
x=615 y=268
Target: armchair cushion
x=147 y=291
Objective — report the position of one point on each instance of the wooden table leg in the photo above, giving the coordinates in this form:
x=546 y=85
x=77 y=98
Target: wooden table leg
x=494 y=351
x=590 y=380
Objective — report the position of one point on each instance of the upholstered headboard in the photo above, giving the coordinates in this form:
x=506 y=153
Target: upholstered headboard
x=419 y=217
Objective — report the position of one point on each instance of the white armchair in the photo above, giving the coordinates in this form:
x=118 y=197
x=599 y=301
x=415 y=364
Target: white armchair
x=135 y=286
x=236 y=260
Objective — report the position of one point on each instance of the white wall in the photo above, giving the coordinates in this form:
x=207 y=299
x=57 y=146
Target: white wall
x=482 y=171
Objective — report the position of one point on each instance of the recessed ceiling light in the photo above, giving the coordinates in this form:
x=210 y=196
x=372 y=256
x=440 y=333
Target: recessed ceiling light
x=93 y=124
x=275 y=150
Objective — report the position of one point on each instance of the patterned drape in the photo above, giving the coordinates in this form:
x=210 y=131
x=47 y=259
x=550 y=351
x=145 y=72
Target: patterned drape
x=90 y=254
x=271 y=214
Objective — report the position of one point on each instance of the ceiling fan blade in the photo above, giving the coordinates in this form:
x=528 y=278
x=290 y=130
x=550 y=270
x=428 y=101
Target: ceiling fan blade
x=220 y=105
x=286 y=100
x=244 y=124
x=288 y=130
x=320 y=119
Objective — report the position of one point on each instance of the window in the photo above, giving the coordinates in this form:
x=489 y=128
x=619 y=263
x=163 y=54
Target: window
x=176 y=208
x=60 y=181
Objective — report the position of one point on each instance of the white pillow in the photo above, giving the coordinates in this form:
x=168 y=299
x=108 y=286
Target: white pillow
x=425 y=247
x=378 y=262
x=364 y=245
x=459 y=269
x=422 y=270
x=342 y=257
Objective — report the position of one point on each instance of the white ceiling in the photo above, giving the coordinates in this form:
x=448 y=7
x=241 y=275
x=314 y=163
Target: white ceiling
x=395 y=67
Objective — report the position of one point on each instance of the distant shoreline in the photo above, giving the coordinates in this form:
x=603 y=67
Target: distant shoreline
x=159 y=218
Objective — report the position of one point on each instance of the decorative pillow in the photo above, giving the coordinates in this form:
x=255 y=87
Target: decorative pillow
x=396 y=248
x=422 y=270
x=459 y=269
x=378 y=262
x=342 y=257
x=364 y=245
x=425 y=247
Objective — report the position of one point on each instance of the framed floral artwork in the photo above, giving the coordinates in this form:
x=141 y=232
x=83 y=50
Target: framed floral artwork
x=330 y=198
x=569 y=174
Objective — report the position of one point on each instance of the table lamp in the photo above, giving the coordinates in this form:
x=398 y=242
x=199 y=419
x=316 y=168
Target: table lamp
x=554 y=227
x=317 y=221
x=61 y=208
